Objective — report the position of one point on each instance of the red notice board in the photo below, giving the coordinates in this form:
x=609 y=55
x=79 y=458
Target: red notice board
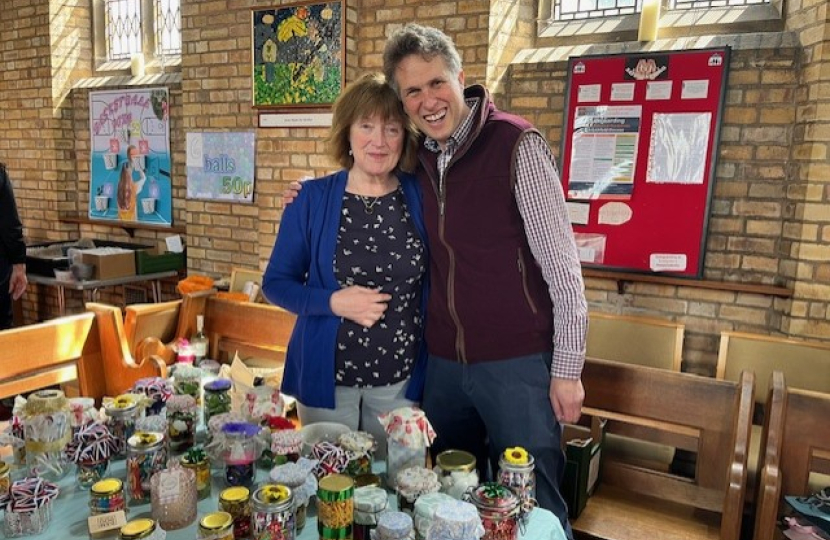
x=638 y=157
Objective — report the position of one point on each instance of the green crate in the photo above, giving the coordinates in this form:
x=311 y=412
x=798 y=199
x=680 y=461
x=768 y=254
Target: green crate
x=148 y=263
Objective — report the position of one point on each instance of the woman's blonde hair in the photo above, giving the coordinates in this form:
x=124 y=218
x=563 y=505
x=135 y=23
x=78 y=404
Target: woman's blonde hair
x=368 y=96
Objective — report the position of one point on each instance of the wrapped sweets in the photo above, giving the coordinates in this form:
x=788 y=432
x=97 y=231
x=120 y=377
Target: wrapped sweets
x=90 y=449
x=121 y=413
x=303 y=484
x=29 y=507
x=47 y=430
x=157 y=389
x=409 y=434
x=499 y=509
x=182 y=413
x=331 y=459
x=412 y=483
x=455 y=520
x=272 y=513
x=146 y=455
x=425 y=508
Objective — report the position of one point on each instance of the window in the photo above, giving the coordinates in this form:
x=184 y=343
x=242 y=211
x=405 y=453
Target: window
x=570 y=10
x=126 y=27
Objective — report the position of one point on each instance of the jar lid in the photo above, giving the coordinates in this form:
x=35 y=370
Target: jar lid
x=235 y=494
x=455 y=519
x=138 y=528
x=121 y=404
x=107 y=486
x=216 y=521
x=455 y=460
x=370 y=499
x=494 y=496
x=218 y=385
x=393 y=525
x=335 y=487
x=273 y=497
x=366 y=480
x=415 y=481
x=145 y=440
x=358 y=442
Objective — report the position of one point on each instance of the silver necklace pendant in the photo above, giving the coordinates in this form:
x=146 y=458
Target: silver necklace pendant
x=369 y=207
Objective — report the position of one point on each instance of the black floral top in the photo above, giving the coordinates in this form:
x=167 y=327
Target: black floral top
x=379 y=247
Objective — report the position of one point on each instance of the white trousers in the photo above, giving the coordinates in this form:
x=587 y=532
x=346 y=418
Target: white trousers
x=358 y=408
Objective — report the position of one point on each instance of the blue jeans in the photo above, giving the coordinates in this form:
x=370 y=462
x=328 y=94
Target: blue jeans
x=486 y=407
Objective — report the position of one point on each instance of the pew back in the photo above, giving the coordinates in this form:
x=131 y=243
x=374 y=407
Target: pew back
x=635 y=340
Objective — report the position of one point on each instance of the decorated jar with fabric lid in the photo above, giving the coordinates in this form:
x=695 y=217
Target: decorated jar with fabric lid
x=237 y=502
x=516 y=471
x=197 y=461
x=47 y=430
x=303 y=484
x=106 y=496
x=122 y=412
x=369 y=503
x=82 y=411
x=499 y=508
x=360 y=447
x=425 y=508
x=335 y=506
x=146 y=455
x=286 y=445
x=393 y=526
x=272 y=513
x=408 y=435
x=142 y=529
x=456 y=470
x=216 y=526
x=187 y=381
x=240 y=451
x=412 y=483
x=455 y=520
x=217 y=398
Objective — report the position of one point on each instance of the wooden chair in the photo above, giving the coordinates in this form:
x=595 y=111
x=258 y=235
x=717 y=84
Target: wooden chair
x=635 y=340
x=699 y=414
x=796 y=450
x=59 y=351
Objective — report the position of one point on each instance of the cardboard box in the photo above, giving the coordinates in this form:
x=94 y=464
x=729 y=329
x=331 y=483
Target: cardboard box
x=111 y=265
x=583 y=455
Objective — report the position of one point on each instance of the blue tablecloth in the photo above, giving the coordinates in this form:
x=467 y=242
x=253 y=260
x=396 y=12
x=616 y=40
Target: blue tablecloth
x=70 y=513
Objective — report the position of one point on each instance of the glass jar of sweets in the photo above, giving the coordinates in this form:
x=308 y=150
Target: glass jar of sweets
x=216 y=526
x=498 y=507
x=335 y=506
x=237 y=502
x=146 y=455
x=142 y=529
x=197 y=461
x=240 y=453
x=106 y=496
x=217 y=398
x=272 y=513
x=456 y=470
x=394 y=526
x=360 y=447
x=516 y=471
x=47 y=431
x=121 y=415
x=412 y=483
x=369 y=503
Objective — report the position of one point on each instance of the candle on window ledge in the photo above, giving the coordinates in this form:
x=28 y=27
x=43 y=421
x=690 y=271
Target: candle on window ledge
x=137 y=64
x=649 y=20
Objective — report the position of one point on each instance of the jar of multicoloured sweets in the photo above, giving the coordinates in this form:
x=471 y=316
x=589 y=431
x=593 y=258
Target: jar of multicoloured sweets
x=237 y=502
x=106 y=496
x=456 y=470
x=335 y=506
x=272 y=513
x=216 y=526
x=217 y=398
x=360 y=447
x=121 y=413
x=498 y=507
x=516 y=471
x=142 y=529
x=146 y=455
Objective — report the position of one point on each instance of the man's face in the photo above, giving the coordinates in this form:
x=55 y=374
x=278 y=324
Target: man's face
x=431 y=96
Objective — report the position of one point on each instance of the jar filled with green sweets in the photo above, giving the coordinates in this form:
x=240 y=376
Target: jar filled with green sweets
x=217 y=398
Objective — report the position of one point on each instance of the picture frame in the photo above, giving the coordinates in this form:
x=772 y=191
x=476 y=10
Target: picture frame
x=298 y=55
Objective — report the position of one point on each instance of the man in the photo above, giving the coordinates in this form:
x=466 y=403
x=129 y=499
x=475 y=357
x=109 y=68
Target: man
x=506 y=318
x=12 y=251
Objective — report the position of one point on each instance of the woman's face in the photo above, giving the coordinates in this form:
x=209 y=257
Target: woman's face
x=376 y=145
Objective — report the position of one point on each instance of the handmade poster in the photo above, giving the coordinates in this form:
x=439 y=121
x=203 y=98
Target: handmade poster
x=130 y=156
x=220 y=166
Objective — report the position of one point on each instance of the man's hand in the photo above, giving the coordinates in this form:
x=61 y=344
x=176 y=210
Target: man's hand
x=18 y=281
x=290 y=193
x=360 y=304
x=566 y=396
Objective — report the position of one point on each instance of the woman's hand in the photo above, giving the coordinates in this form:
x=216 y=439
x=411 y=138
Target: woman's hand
x=360 y=304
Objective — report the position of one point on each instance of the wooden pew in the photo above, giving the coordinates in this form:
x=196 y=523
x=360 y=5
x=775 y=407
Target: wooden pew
x=59 y=351
x=698 y=414
x=635 y=340
x=796 y=446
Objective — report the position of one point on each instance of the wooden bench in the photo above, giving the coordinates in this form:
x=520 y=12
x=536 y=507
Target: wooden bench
x=698 y=414
x=796 y=450
x=635 y=340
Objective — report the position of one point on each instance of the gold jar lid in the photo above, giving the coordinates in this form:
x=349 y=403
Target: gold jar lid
x=455 y=460
x=335 y=487
x=216 y=521
x=106 y=486
x=235 y=494
x=138 y=528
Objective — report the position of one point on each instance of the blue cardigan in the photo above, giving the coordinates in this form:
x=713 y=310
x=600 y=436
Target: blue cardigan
x=300 y=278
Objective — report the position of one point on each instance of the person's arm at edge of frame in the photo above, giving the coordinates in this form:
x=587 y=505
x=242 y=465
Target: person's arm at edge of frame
x=541 y=202
x=11 y=236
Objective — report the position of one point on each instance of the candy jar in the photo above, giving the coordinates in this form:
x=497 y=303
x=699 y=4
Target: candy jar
x=182 y=414
x=408 y=435
x=217 y=398
x=106 y=496
x=215 y=438
x=456 y=471
x=424 y=512
x=47 y=430
x=29 y=508
x=5 y=480
x=122 y=412
x=82 y=411
x=197 y=461
x=335 y=506
x=360 y=447
x=516 y=471
x=498 y=507
x=272 y=513
x=146 y=455
x=142 y=529
x=90 y=449
x=281 y=441
x=157 y=389
x=454 y=519
x=187 y=381
x=412 y=483
x=369 y=502
x=173 y=498
x=303 y=484
x=237 y=502
x=240 y=453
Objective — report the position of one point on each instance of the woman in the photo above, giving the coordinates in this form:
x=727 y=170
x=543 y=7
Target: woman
x=350 y=260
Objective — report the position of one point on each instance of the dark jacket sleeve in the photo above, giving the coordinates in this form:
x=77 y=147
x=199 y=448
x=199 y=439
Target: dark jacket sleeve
x=12 y=246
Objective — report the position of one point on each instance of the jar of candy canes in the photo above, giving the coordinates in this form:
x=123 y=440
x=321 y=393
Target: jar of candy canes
x=456 y=470
x=121 y=413
x=47 y=431
x=335 y=506
x=216 y=526
x=146 y=455
x=237 y=502
x=498 y=508
x=272 y=513
x=516 y=471
x=106 y=496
